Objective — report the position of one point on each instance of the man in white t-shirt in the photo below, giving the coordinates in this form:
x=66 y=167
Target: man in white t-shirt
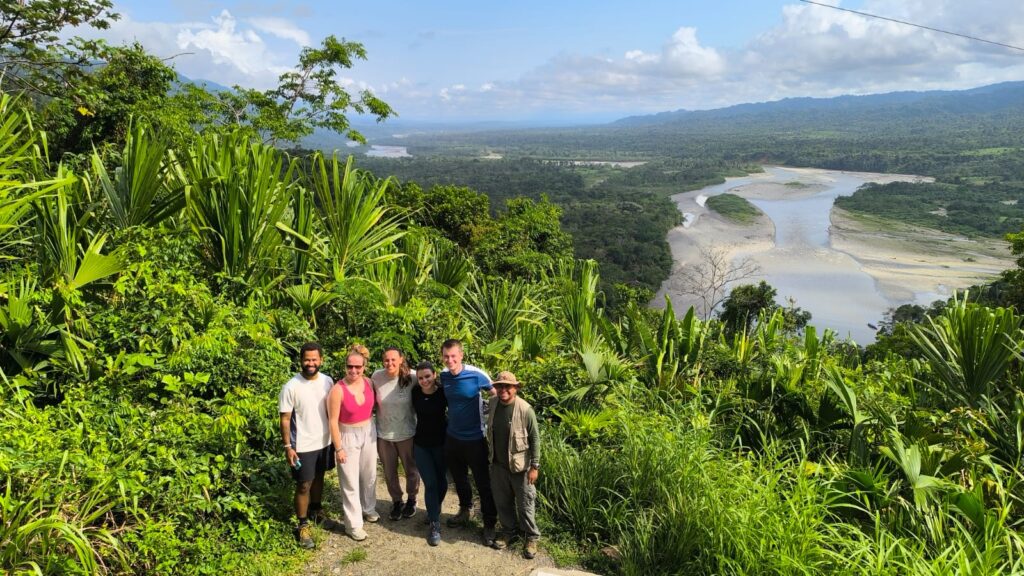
x=307 y=436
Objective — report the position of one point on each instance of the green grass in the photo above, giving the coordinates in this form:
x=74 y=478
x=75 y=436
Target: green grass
x=734 y=208
x=996 y=151
x=353 y=556
x=671 y=499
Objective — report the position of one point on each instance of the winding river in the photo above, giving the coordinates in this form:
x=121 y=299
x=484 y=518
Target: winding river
x=792 y=246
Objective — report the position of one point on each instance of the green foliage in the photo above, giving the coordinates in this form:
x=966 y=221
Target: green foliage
x=357 y=226
x=990 y=210
x=458 y=212
x=141 y=191
x=746 y=303
x=619 y=221
x=19 y=156
x=524 y=241
x=130 y=84
x=969 y=349
x=495 y=309
x=733 y=207
x=237 y=194
x=353 y=556
x=37 y=57
x=140 y=378
x=308 y=97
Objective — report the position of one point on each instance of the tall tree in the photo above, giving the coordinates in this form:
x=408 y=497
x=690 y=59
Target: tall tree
x=132 y=85
x=35 y=57
x=306 y=98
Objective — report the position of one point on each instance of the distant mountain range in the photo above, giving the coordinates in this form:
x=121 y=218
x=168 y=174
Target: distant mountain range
x=988 y=100
x=997 y=105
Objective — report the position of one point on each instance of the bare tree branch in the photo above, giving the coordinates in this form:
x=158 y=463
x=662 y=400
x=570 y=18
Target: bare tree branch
x=708 y=278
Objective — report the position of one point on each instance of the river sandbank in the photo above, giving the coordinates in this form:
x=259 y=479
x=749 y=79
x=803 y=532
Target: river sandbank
x=858 y=263
x=909 y=262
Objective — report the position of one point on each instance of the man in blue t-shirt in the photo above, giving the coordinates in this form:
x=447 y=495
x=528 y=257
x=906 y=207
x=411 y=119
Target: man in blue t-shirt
x=465 y=448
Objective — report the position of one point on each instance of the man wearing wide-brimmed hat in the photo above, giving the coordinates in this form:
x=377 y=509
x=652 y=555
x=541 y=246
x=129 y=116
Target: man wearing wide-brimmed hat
x=513 y=440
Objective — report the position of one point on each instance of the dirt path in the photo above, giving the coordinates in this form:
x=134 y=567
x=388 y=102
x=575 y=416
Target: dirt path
x=400 y=547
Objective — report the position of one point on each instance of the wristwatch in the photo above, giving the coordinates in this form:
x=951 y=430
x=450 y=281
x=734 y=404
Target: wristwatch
x=535 y=466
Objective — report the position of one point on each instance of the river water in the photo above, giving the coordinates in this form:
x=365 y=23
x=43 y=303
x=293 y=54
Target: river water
x=802 y=264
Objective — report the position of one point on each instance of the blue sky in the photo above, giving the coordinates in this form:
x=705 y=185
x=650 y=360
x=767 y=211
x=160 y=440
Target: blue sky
x=576 y=61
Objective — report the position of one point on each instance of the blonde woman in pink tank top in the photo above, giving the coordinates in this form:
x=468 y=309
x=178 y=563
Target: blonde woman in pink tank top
x=350 y=406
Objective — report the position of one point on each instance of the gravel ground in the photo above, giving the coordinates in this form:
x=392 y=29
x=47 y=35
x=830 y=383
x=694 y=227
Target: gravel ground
x=400 y=547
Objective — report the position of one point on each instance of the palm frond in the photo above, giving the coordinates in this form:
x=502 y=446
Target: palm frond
x=359 y=227
x=140 y=191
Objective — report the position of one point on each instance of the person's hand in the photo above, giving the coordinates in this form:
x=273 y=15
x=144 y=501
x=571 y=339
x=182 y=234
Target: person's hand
x=291 y=456
x=531 y=476
x=340 y=456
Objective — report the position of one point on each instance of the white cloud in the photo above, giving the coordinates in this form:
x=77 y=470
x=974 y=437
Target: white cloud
x=244 y=50
x=813 y=51
x=819 y=51
x=281 y=28
x=226 y=50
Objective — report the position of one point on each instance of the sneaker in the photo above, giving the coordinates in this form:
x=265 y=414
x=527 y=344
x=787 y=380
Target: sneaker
x=305 y=536
x=460 y=519
x=501 y=542
x=396 y=511
x=434 y=537
x=358 y=534
x=530 y=550
x=371 y=517
x=409 y=510
x=490 y=535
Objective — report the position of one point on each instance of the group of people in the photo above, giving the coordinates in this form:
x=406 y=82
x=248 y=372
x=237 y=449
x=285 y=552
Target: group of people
x=434 y=423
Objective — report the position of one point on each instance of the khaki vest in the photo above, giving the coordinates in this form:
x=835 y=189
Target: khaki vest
x=518 y=437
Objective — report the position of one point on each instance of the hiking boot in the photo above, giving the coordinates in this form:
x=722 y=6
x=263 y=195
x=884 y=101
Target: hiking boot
x=434 y=536
x=460 y=519
x=357 y=534
x=490 y=536
x=321 y=518
x=501 y=542
x=396 y=510
x=305 y=536
x=371 y=517
x=410 y=509
x=530 y=550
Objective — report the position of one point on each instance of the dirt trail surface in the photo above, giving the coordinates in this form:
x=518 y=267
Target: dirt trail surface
x=400 y=547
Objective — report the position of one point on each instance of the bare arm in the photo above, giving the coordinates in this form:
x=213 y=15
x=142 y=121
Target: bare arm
x=286 y=436
x=333 y=413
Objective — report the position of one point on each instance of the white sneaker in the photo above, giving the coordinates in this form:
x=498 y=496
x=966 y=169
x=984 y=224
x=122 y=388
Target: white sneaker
x=358 y=534
x=371 y=517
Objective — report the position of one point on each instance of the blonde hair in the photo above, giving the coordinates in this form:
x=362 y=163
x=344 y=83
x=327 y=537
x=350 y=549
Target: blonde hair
x=360 y=350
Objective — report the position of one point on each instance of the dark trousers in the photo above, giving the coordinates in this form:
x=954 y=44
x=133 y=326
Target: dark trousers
x=430 y=461
x=462 y=457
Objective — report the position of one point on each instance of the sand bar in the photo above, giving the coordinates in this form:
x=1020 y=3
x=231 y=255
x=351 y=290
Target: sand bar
x=850 y=272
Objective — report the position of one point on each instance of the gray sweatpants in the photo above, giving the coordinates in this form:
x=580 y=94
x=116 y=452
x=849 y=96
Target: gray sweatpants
x=515 y=496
